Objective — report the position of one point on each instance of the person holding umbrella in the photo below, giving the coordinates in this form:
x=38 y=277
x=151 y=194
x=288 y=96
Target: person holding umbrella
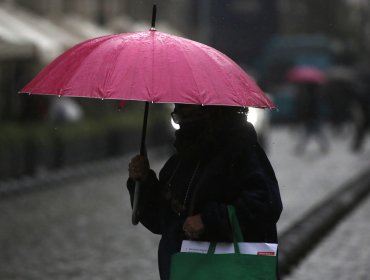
x=218 y=162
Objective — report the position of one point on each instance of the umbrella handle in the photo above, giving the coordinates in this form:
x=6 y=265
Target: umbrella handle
x=135 y=204
x=143 y=152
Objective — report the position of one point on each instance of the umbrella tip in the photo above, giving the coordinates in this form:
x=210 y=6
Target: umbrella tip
x=154 y=17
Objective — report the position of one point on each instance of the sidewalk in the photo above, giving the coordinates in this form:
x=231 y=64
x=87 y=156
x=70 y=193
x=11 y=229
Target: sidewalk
x=324 y=188
x=82 y=229
x=342 y=255
x=308 y=179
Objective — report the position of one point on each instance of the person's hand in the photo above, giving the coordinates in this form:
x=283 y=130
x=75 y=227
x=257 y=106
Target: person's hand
x=138 y=168
x=193 y=226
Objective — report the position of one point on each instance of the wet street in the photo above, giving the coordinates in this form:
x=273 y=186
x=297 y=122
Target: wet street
x=79 y=231
x=344 y=253
x=83 y=229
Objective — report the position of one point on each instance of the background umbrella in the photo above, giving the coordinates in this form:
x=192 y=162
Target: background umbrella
x=148 y=66
x=306 y=74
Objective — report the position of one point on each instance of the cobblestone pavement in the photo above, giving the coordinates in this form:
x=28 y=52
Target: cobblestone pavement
x=83 y=230
x=342 y=255
x=79 y=231
x=307 y=179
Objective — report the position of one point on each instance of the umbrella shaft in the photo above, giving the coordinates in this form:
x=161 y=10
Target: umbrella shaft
x=143 y=131
x=143 y=152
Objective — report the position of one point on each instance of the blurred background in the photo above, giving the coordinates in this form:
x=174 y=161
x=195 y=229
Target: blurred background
x=267 y=38
x=311 y=57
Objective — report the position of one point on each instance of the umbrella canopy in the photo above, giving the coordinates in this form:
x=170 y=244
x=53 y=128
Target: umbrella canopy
x=306 y=74
x=149 y=66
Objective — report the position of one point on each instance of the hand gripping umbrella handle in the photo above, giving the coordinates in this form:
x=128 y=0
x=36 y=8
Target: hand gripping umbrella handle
x=135 y=205
x=143 y=152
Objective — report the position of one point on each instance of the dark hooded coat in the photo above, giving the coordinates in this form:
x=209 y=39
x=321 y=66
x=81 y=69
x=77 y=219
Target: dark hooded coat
x=232 y=169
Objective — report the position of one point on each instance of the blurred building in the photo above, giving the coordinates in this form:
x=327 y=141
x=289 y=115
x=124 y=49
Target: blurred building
x=347 y=21
x=33 y=33
x=238 y=28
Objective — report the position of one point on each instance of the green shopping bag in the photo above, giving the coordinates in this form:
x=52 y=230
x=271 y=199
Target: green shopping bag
x=198 y=266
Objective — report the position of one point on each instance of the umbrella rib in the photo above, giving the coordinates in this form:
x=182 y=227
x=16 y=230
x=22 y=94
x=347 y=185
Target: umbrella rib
x=101 y=42
x=132 y=82
x=153 y=69
x=202 y=48
x=109 y=73
x=38 y=81
x=183 y=52
x=225 y=77
x=245 y=83
x=150 y=66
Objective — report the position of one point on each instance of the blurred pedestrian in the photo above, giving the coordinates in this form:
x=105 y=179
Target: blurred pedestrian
x=341 y=91
x=218 y=162
x=64 y=109
x=308 y=106
x=361 y=111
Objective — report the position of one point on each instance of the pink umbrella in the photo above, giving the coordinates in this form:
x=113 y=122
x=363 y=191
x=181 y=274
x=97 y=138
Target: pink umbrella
x=149 y=66
x=306 y=74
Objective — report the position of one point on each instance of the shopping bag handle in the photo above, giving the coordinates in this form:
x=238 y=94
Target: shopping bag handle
x=235 y=227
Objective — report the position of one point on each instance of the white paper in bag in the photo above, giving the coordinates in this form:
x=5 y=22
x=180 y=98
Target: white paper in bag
x=194 y=247
x=249 y=248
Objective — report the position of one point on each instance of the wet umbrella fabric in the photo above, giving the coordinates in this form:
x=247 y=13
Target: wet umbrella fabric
x=149 y=66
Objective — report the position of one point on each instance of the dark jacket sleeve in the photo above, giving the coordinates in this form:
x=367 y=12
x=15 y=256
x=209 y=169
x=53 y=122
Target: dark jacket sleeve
x=257 y=199
x=149 y=202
